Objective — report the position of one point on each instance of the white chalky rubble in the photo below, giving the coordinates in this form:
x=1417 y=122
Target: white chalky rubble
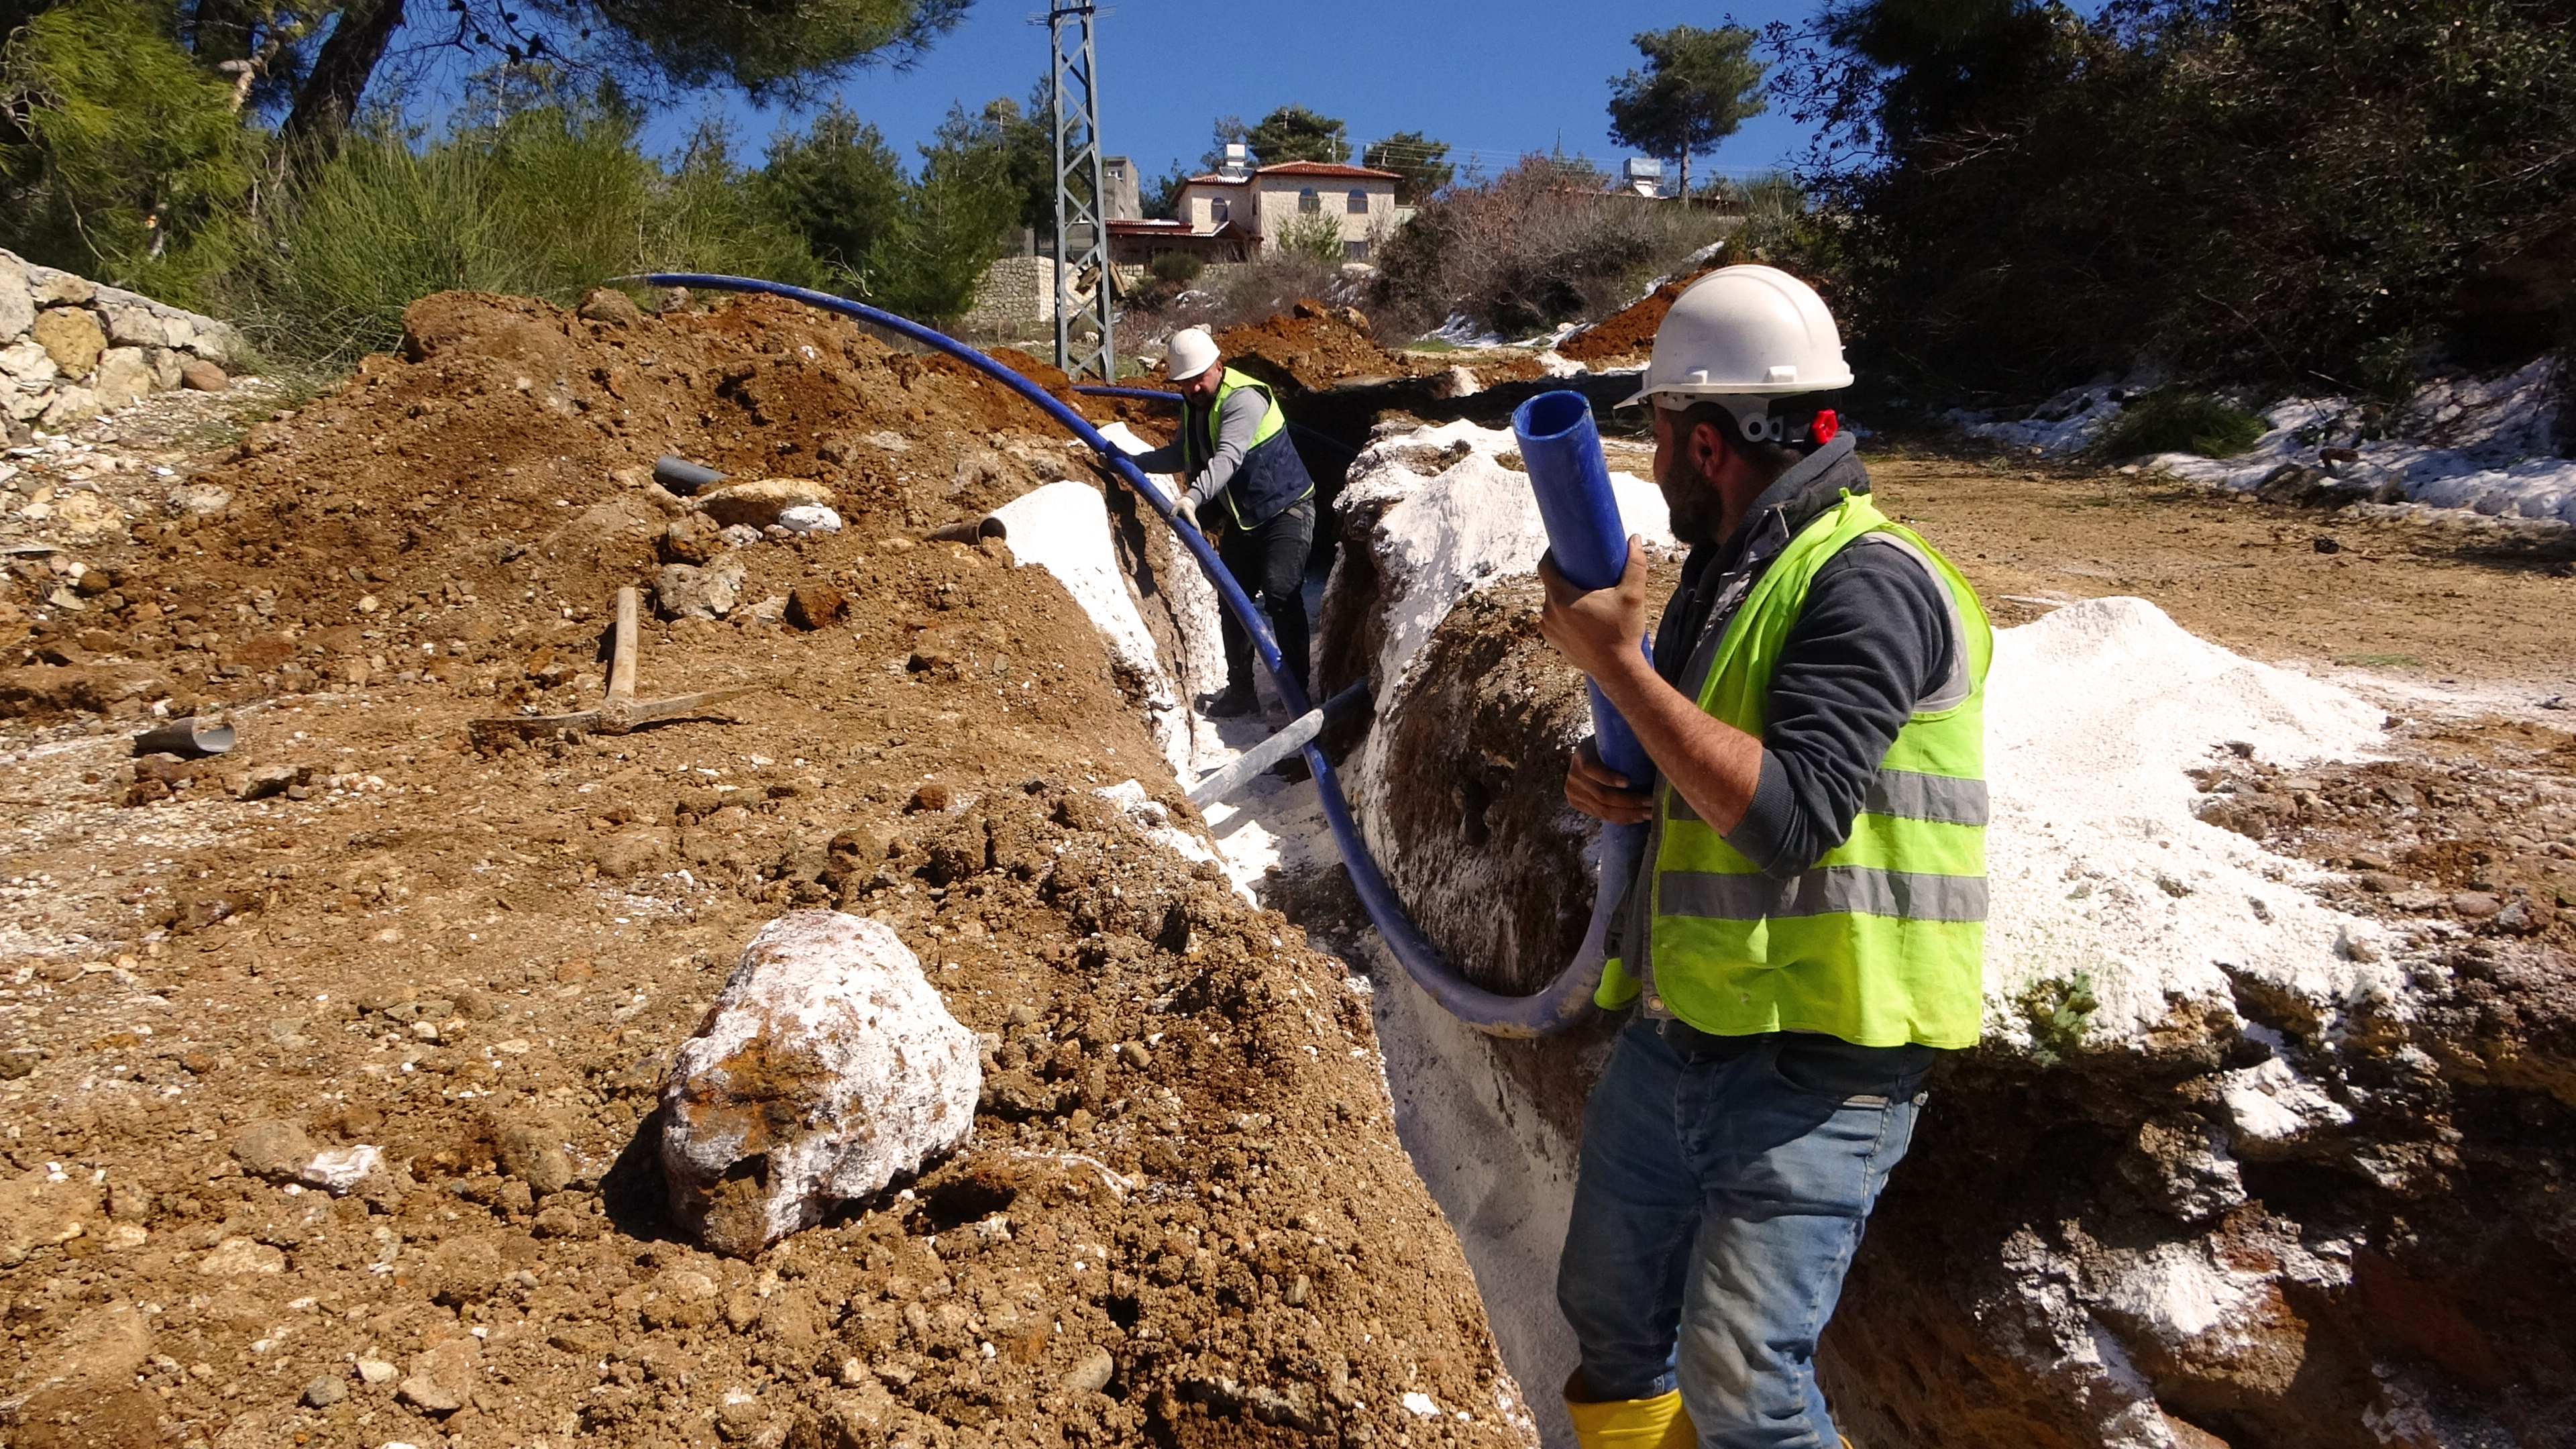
x=810 y=518
x=830 y=1017
x=2099 y=869
x=2483 y=445
x=1471 y=524
x=1128 y=796
x=1063 y=528
x=339 y=1170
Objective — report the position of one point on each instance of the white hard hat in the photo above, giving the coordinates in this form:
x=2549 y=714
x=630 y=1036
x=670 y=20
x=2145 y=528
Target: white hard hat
x=1744 y=332
x=1190 y=352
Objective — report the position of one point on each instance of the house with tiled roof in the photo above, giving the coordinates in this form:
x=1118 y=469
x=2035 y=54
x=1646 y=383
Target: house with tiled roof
x=1266 y=202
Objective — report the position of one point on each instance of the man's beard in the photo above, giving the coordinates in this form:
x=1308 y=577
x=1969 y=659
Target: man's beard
x=1692 y=499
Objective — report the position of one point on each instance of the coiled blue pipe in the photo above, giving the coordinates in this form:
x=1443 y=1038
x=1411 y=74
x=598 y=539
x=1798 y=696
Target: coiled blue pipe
x=1585 y=536
x=1563 y=1003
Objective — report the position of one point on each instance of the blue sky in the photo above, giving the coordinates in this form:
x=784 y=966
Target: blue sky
x=1495 y=79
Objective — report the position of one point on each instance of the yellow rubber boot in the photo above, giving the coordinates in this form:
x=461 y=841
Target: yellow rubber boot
x=1656 y=1423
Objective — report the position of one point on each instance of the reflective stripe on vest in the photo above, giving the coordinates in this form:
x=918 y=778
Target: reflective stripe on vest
x=1196 y=452
x=1882 y=941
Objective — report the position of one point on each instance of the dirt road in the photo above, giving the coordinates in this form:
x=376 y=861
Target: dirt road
x=2410 y=599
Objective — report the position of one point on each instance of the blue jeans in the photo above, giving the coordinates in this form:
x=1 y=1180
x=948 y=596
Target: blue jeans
x=1723 y=1187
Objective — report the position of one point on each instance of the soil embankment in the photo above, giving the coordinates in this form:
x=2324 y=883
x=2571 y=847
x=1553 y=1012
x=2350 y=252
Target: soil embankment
x=1184 y=1217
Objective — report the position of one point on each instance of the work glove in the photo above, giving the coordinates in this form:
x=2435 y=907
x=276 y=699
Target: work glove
x=1187 y=512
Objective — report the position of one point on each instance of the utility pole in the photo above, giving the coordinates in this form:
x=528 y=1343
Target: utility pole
x=1084 y=337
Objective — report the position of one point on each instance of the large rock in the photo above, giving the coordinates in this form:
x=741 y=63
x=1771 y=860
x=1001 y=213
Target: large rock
x=28 y=362
x=38 y=1213
x=131 y=326
x=71 y=405
x=54 y=287
x=71 y=337
x=17 y=307
x=272 y=1148
x=758 y=504
x=124 y=376
x=827 y=1068
x=442 y=1377
x=85 y=1378
x=686 y=591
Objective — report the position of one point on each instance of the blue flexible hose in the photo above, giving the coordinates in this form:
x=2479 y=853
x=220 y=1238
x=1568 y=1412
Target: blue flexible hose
x=1561 y=1004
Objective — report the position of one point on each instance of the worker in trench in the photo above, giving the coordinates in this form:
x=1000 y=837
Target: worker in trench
x=1247 y=491
x=1807 y=929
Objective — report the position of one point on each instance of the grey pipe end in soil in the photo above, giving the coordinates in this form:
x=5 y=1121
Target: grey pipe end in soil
x=682 y=476
x=973 y=530
x=189 y=738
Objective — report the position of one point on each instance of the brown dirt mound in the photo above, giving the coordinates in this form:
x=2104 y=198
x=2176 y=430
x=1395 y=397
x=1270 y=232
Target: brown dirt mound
x=1313 y=347
x=1184 y=1219
x=1045 y=374
x=1630 y=331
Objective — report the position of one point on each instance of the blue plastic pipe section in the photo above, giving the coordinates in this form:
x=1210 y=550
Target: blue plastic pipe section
x=1585 y=536
x=1563 y=1003
x=1562 y=450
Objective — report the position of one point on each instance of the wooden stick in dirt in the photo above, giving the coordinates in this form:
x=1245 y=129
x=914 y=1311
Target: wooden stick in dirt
x=621 y=659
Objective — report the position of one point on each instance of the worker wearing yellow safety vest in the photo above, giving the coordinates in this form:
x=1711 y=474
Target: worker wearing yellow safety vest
x=1248 y=491
x=1807 y=925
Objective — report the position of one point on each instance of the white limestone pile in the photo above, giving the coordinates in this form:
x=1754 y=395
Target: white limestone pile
x=1063 y=528
x=828 y=1067
x=2101 y=873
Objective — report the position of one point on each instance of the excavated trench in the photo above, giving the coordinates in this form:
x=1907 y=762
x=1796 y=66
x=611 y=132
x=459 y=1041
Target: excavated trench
x=2261 y=1149
x=2294 y=1183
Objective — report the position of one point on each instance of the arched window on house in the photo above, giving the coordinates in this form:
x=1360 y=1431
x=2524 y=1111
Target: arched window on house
x=1218 y=213
x=1307 y=200
x=1358 y=204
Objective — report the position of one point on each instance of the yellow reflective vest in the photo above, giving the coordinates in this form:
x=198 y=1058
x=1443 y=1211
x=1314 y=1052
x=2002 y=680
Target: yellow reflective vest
x=1882 y=941
x=1272 y=477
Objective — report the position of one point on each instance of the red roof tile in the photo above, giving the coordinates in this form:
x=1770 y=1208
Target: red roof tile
x=1300 y=168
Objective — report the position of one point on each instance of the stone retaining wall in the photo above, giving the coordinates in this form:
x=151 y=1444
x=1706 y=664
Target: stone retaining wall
x=71 y=349
x=1016 y=292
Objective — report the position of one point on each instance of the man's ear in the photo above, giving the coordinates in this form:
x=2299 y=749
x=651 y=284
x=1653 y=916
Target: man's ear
x=1707 y=449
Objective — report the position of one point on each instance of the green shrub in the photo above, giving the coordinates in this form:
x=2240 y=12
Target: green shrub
x=1178 y=268
x=1539 y=245
x=119 y=158
x=545 y=200
x=1313 y=234
x=374 y=229
x=2172 y=420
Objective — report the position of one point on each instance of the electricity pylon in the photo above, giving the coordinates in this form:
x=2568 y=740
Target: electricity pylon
x=1085 y=315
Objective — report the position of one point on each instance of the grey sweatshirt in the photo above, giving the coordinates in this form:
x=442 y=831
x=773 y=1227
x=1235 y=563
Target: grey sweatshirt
x=1236 y=425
